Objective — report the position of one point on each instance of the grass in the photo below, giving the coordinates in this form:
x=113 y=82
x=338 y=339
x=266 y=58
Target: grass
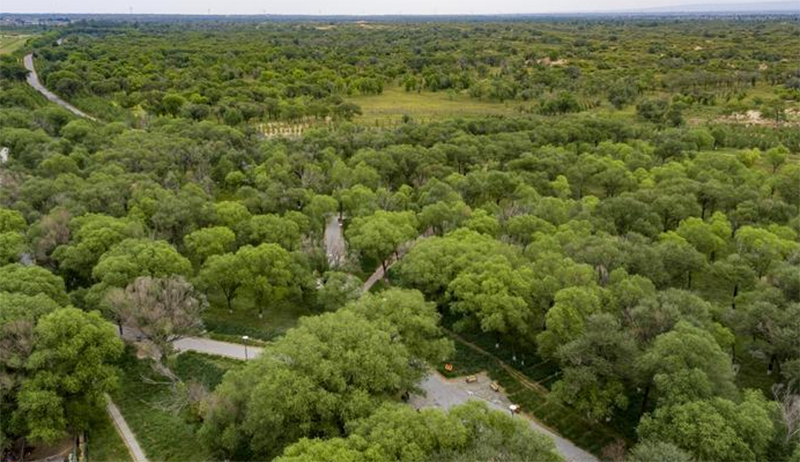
x=244 y=320
x=12 y=42
x=144 y=399
x=390 y=106
x=104 y=443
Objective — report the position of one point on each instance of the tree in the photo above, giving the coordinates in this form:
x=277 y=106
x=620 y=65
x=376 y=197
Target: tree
x=223 y=273
x=331 y=369
x=132 y=258
x=273 y=229
x=70 y=372
x=596 y=366
x=499 y=296
x=689 y=356
x=761 y=248
x=565 y=321
x=92 y=236
x=776 y=157
x=337 y=290
x=12 y=245
x=269 y=273
x=443 y=216
x=11 y=221
x=408 y=318
x=396 y=433
x=716 y=429
x=32 y=280
x=163 y=310
x=658 y=451
x=380 y=234
x=206 y=242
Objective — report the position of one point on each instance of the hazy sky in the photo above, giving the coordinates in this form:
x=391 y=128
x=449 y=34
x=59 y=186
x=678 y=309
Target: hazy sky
x=357 y=7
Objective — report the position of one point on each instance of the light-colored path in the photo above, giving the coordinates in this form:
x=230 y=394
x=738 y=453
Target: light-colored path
x=443 y=393
x=33 y=80
x=335 y=245
x=203 y=345
x=215 y=347
x=125 y=431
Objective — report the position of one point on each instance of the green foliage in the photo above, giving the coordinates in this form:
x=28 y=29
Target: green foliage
x=69 y=374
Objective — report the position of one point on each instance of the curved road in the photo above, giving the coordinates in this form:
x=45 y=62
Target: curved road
x=33 y=80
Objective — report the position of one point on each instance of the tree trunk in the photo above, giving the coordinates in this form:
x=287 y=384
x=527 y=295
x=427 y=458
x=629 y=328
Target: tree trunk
x=735 y=293
x=688 y=280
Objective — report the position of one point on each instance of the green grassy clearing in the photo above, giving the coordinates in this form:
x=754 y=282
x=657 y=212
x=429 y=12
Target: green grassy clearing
x=12 y=42
x=278 y=318
x=145 y=399
x=390 y=106
x=104 y=443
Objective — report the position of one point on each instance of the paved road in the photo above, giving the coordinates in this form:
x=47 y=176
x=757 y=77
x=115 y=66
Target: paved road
x=125 y=431
x=204 y=345
x=215 y=347
x=444 y=393
x=335 y=245
x=33 y=80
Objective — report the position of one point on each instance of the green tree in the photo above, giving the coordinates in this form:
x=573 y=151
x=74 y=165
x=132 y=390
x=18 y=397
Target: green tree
x=379 y=235
x=32 y=280
x=269 y=273
x=70 y=372
x=206 y=242
x=331 y=369
x=132 y=258
x=717 y=429
x=222 y=273
x=566 y=320
x=596 y=368
x=409 y=318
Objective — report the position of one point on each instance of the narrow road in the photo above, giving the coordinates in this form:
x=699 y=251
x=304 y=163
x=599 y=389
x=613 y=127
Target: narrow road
x=33 y=80
x=215 y=347
x=335 y=245
x=204 y=345
x=443 y=393
x=125 y=431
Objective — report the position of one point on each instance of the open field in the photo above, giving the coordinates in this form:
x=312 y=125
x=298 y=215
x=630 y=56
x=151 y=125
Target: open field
x=12 y=42
x=390 y=106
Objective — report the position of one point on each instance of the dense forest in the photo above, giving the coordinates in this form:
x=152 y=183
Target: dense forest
x=621 y=231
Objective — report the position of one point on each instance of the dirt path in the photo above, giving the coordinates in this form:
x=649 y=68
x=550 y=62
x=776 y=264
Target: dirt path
x=443 y=393
x=125 y=431
x=33 y=80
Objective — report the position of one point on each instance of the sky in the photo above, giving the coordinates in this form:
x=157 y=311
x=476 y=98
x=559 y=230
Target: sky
x=339 y=7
